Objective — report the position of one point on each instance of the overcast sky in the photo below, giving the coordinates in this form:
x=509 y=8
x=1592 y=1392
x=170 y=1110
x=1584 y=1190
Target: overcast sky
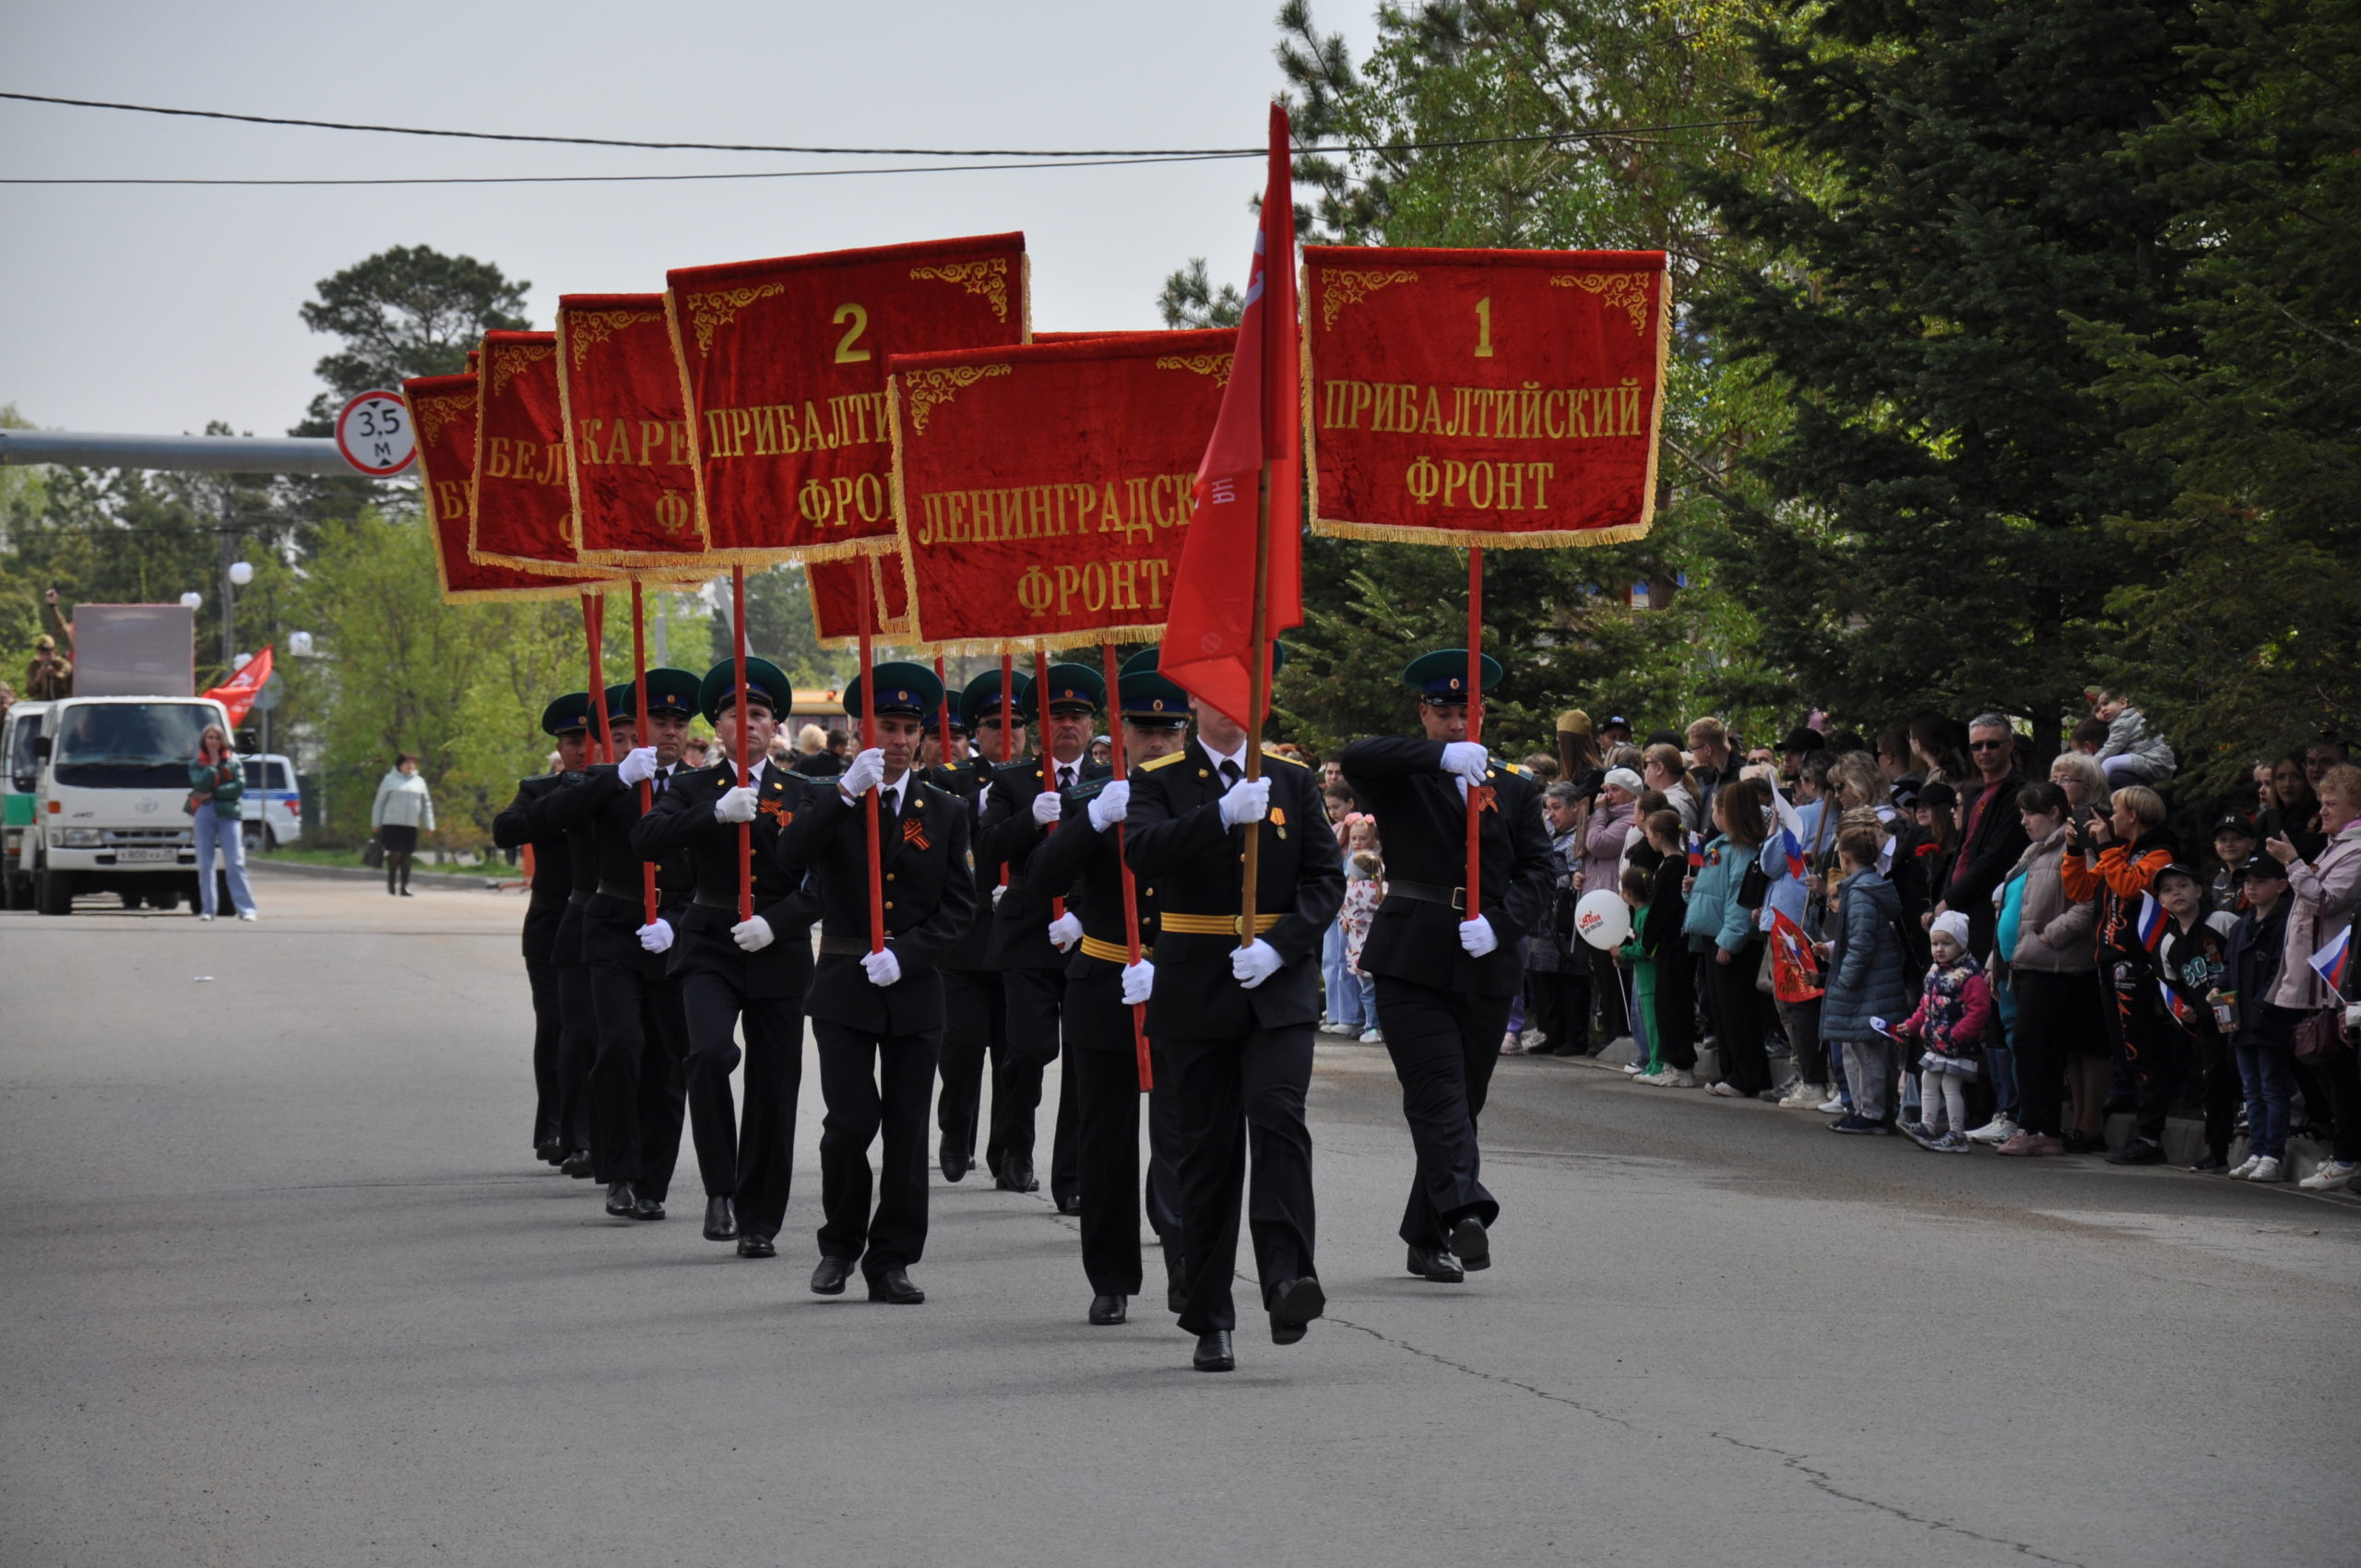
x=152 y=310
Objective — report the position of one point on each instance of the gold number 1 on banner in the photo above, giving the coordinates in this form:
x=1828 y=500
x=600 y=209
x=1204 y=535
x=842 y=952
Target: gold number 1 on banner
x=1484 y=328
x=846 y=353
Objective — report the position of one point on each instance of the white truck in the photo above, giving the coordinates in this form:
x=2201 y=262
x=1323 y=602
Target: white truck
x=110 y=768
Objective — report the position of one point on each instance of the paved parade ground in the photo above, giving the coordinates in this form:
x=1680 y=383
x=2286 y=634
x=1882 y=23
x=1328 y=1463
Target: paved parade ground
x=287 y=1286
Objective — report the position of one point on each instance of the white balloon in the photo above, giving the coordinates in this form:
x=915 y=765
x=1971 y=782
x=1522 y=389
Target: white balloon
x=1602 y=918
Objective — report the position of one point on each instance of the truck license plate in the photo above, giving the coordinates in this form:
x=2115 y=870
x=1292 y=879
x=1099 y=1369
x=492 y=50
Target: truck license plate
x=129 y=857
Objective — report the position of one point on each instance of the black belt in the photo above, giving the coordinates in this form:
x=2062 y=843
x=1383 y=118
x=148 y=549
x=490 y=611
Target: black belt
x=629 y=892
x=715 y=902
x=577 y=898
x=844 y=946
x=1426 y=893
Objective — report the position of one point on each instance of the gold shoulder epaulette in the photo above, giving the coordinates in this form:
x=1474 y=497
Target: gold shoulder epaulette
x=1152 y=763
x=1282 y=756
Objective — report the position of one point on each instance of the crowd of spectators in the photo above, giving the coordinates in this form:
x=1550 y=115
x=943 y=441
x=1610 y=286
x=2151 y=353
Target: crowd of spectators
x=1941 y=932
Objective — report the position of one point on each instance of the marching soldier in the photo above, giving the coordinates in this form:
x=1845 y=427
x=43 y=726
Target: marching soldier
x=975 y=1004
x=878 y=1016
x=1235 y=1020
x=1017 y=813
x=518 y=826
x=1102 y=986
x=1447 y=975
x=636 y=1086
x=735 y=973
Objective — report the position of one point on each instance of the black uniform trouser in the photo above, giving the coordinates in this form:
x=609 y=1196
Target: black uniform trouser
x=638 y=1084
x=1230 y=1096
x=577 y=1049
x=975 y=1030
x=874 y=1083
x=549 y=1028
x=754 y=1160
x=1444 y=1045
x=1107 y=1094
x=1036 y=1011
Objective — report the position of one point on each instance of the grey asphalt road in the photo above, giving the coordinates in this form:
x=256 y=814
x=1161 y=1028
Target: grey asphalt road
x=285 y=1286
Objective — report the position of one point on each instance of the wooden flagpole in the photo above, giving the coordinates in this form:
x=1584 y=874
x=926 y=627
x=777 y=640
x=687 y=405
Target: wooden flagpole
x=1259 y=688
x=639 y=699
x=745 y=769
x=1049 y=757
x=593 y=612
x=869 y=797
x=1131 y=888
x=1474 y=874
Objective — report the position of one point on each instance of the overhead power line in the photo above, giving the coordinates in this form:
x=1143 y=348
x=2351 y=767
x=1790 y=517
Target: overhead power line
x=622 y=179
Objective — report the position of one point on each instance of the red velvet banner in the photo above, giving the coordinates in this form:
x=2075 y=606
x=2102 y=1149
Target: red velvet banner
x=442 y=413
x=523 y=509
x=1044 y=491
x=626 y=436
x=835 y=606
x=783 y=371
x=1504 y=399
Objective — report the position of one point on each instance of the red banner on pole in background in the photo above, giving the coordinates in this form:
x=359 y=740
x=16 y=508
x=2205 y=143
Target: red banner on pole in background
x=633 y=492
x=238 y=693
x=524 y=508
x=835 y=606
x=782 y=367
x=442 y=413
x=1044 y=491
x=1500 y=399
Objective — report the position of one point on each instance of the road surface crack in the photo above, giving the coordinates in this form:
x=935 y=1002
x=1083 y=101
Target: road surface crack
x=1824 y=1481
x=1538 y=1393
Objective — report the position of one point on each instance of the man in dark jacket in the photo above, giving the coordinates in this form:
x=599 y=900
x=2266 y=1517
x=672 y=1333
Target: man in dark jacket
x=1235 y=1012
x=877 y=1011
x=975 y=1002
x=1447 y=975
x=568 y=721
x=1992 y=835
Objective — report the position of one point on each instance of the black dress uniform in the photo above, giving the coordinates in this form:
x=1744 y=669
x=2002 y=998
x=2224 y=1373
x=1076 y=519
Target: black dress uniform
x=1441 y=1011
x=577 y=1049
x=975 y=1004
x=1240 y=1060
x=724 y=987
x=878 y=1043
x=519 y=827
x=637 y=1080
x=1083 y=860
x=1033 y=972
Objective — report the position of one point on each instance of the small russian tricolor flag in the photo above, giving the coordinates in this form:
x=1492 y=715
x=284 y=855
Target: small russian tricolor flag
x=1794 y=853
x=1696 y=851
x=2331 y=961
x=2176 y=1006
x=2152 y=923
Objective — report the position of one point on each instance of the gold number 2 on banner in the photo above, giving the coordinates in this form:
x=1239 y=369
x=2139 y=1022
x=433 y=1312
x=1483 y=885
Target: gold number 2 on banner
x=846 y=352
x=1484 y=328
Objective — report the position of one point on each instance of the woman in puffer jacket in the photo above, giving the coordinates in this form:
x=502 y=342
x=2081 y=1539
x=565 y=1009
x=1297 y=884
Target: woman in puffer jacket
x=1864 y=966
x=2053 y=971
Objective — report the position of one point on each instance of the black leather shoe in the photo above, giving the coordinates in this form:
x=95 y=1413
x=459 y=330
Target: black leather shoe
x=551 y=1153
x=1069 y=1203
x=1107 y=1309
x=828 y=1278
x=1214 y=1353
x=649 y=1208
x=622 y=1202
x=1175 y=1298
x=751 y=1245
x=721 y=1219
x=576 y=1165
x=893 y=1287
x=1440 y=1267
x=955 y=1161
x=1471 y=1244
x=1295 y=1303
x=2138 y=1151
x=1017 y=1176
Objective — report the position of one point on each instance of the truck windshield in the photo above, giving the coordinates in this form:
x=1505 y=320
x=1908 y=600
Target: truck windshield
x=22 y=764
x=128 y=745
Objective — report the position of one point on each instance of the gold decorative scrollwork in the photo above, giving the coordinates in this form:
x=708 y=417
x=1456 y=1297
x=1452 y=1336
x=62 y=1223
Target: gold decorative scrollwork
x=1352 y=288
x=510 y=358
x=711 y=313
x=1215 y=365
x=1625 y=290
x=987 y=277
x=927 y=388
x=434 y=413
x=593 y=327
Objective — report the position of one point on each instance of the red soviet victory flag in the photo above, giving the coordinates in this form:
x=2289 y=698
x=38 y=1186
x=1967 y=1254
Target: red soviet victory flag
x=1209 y=632
x=239 y=692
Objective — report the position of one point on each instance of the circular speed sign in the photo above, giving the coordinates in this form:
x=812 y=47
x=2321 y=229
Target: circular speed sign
x=373 y=431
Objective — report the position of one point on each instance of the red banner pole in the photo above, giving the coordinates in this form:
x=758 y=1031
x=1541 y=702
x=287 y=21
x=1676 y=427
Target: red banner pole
x=1131 y=888
x=745 y=767
x=594 y=616
x=1258 y=698
x=1475 y=724
x=942 y=717
x=639 y=700
x=868 y=798
x=1007 y=708
x=1049 y=757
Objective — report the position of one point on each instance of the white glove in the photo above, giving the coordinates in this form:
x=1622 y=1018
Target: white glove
x=880 y=967
x=1249 y=801
x=867 y=772
x=1466 y=759
x=1065 y=931
x=1048 y=808
x=656 y=936
x=1110 y=805
x=751 y=934
x=1250 y=966
x=1139 y=979
x=1475 y=937
x=735 y=805
x=637 y=766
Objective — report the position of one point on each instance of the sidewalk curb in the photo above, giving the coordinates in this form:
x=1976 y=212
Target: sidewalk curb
x=468 y=881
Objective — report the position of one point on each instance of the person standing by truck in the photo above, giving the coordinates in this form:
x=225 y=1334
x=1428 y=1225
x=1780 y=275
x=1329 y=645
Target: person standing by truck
x=216 y=781
x=402 y=808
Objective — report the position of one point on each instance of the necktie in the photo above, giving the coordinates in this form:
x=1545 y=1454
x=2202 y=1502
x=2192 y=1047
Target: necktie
x=1065 y=778
x=1231 y=772
x=658 y=781
x=889 y=801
